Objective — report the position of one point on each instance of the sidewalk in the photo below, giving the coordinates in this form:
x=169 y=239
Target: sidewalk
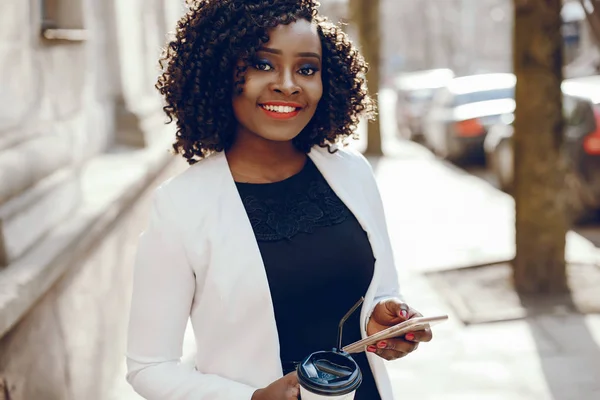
x=429 y=201
x=440 y=217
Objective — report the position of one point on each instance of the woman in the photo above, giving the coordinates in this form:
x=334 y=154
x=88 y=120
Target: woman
x=273 y=233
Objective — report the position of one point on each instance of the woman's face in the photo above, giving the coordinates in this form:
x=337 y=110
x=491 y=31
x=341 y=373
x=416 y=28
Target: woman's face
x=283 y=84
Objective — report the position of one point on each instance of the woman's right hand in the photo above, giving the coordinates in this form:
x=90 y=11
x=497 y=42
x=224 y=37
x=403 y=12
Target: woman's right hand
x=286 y=388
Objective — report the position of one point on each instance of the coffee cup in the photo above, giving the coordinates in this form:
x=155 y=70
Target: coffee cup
x=328 y=375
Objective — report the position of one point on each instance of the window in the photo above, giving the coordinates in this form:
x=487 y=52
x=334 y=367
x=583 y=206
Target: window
x=484 y=95
x=62 y=20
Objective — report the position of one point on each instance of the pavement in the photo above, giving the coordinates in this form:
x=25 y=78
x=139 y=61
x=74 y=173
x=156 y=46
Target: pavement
x=441 y=217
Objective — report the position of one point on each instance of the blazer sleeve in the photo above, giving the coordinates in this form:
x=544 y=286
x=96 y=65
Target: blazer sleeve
x=163 y=292
x=388 y=285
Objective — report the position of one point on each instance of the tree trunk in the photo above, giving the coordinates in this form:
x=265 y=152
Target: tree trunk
x=365 y=15
x=540 y=167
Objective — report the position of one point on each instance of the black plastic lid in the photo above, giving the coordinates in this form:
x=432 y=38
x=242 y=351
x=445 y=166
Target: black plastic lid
x=329 y=373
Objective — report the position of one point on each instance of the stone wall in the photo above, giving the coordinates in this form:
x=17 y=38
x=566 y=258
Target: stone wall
x=53 y=116
x=81 y=140
x=70 y=345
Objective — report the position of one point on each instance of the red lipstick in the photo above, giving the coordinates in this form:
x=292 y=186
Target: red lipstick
x=281 y=110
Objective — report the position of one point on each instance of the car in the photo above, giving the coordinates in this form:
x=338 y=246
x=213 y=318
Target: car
x=581 y=107
x=414 y=91
x=462 y=112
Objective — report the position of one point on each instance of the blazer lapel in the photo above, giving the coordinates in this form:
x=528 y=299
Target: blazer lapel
x=338 y=171
x=241 y=277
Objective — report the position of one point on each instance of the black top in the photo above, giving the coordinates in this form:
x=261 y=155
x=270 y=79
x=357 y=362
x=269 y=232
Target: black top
x=318 y=262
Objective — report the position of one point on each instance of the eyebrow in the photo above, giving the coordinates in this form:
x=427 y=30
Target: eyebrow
x=279 y=52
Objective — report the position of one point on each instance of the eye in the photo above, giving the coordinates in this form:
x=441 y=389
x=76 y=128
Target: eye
x=262 y=66
x=308 y=71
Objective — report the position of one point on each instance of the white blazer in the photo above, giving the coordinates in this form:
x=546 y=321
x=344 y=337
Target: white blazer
x=199 y=259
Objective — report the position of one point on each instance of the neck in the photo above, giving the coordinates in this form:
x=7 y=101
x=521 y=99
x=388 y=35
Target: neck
x=258 y=160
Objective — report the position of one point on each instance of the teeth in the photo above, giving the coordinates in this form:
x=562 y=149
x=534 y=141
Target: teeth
x=279 y=109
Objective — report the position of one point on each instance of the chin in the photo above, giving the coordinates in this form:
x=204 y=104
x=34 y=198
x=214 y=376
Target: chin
x=279 y=136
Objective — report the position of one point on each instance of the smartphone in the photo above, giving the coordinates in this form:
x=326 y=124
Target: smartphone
x=411 y=325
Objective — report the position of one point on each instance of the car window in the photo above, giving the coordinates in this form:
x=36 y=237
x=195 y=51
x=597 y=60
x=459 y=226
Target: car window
x=577 y=111
x=484 y=95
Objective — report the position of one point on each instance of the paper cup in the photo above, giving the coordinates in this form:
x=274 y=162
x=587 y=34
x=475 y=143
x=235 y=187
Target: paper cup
x=306 y=395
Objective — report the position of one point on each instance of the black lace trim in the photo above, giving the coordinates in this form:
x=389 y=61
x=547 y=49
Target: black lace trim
x=295 y=212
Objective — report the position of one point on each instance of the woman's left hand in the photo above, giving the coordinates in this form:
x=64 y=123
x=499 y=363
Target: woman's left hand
x=389 y=313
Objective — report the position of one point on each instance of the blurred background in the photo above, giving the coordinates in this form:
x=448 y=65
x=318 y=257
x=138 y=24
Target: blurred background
x=487 y=153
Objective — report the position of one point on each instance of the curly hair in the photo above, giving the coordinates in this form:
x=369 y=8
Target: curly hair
x=201 y=73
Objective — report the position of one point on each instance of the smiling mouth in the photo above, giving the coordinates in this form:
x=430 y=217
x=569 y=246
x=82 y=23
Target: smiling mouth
x=280 y=111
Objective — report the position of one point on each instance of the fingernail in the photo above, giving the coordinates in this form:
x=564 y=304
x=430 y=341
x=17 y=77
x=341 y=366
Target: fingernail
x=382 y=345
x=371 y=349
x=410 y=336
x=404 y=314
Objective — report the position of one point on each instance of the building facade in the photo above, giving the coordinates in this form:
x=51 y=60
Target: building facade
x=82 y=139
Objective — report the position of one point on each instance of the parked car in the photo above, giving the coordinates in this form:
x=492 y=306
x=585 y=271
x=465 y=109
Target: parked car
x=462 y=112
x=581 y=107
x=414 y=92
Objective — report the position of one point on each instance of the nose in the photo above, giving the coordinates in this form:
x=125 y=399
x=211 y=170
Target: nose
x=286 y=84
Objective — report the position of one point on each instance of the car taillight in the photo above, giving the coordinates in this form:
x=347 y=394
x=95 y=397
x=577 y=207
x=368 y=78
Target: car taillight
x=469 y=128
x=591 y=143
